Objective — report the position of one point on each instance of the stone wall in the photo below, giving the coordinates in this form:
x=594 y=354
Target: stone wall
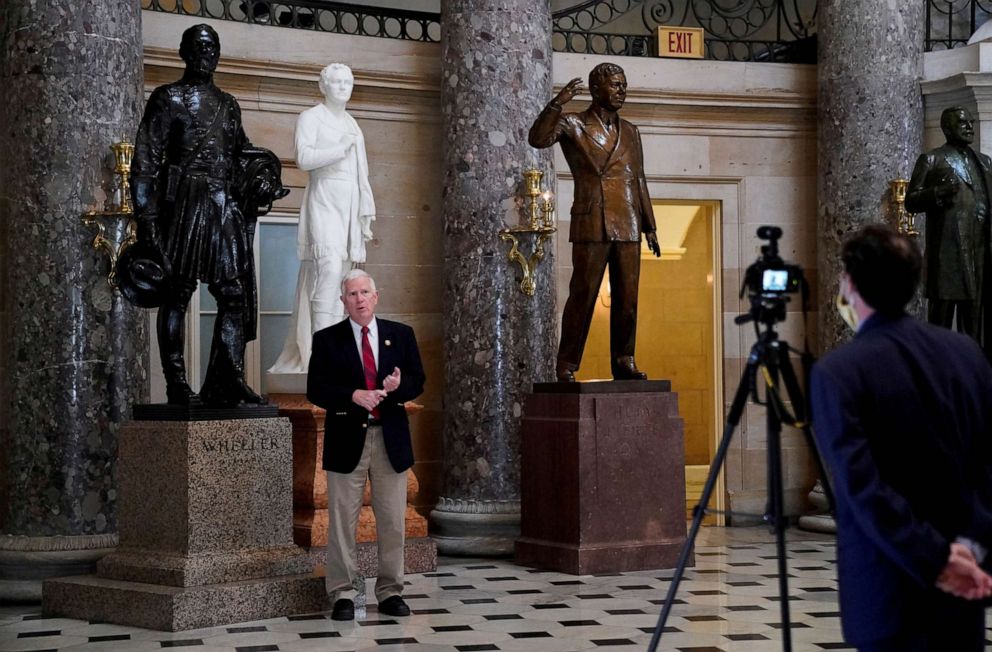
x=739 y=134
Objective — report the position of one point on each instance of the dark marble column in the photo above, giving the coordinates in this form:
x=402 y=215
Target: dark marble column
x=870 y=132
x=495 y=79
x=75 y=352
x=870 y=125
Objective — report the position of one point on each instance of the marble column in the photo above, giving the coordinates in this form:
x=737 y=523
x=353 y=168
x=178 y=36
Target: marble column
x=870 y=63
x=75 y=354
x=495 y=78
x=870 y=125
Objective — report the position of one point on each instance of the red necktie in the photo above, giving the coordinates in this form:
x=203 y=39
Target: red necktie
x=368 y=361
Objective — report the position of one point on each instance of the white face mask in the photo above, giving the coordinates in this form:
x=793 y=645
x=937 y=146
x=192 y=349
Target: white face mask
x=845 y=309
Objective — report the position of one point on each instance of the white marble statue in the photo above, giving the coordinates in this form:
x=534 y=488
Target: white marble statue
x=335 y=217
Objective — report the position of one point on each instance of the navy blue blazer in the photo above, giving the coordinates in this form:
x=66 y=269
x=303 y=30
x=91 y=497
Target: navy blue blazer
x=903 y=419
x=336 y=371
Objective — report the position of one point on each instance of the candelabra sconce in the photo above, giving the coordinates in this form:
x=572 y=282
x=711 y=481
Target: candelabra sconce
x=905 y=222
x=117 y=208
x=540 y=224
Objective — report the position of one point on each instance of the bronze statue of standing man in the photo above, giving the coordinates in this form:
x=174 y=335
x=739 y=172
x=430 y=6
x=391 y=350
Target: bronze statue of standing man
x=198 y=186
x=951 y=184
x=610 y=210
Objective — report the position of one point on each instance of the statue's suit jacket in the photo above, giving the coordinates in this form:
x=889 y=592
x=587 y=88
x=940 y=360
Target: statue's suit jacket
x=336 y=371
x=611 y=201
x=903 y=418
x=955 y=239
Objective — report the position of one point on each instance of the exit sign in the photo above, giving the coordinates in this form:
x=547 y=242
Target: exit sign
x=680 y=42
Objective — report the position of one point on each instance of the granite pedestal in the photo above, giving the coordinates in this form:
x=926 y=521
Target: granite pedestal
x=205 y=512
x=602 y=477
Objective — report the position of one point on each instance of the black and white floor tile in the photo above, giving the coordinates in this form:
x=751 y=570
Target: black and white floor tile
x=727 y=603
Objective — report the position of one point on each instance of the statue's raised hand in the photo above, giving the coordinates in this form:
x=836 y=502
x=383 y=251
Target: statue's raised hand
x=570 y=91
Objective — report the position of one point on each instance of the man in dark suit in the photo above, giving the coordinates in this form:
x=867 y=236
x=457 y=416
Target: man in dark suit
x=951 y=184
x=610 y=209
x=903 y=418
x=362 y=370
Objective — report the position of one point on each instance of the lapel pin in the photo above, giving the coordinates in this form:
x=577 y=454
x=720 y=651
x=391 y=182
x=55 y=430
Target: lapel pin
x=388 y=343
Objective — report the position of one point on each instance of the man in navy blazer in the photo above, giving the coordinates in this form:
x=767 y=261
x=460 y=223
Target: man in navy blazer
x=362 y=371
x=903 y=418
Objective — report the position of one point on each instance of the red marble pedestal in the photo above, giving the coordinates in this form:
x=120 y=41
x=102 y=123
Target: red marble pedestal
x=602 y=477
x=310 y=496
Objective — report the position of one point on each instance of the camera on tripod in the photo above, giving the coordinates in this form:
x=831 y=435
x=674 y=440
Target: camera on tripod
x=769 y=280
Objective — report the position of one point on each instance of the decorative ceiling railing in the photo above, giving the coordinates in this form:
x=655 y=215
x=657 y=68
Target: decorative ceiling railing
x=950 y=23
x=736 y=30
x=742 y=30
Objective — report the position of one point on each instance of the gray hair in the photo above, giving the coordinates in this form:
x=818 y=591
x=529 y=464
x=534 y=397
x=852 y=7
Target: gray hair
x=357 y=273
x=325 y=74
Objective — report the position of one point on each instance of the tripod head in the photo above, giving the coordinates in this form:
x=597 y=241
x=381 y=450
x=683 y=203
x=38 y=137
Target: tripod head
x=768 y=282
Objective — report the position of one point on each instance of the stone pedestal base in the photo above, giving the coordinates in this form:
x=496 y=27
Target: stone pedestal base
x=602 y=478
x=476 y=528
x=172 y=608
x=823 y=521
x=205 y=531
x=27 y=561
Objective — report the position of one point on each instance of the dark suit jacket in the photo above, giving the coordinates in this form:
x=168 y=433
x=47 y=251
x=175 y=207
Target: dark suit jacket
x=954 y=237
x=336 y=371
x=903 y=418
x=611 y=200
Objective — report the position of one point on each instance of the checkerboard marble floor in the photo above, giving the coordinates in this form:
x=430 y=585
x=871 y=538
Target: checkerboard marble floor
x=728 y=602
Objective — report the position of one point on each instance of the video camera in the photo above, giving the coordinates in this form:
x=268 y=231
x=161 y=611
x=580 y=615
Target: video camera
x=769 y=280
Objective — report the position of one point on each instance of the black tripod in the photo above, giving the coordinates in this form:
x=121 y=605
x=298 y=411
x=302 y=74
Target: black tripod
x=770 y=356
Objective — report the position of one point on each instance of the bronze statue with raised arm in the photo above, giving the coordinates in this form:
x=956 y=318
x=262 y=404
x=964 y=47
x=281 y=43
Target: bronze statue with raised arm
x=610 y=210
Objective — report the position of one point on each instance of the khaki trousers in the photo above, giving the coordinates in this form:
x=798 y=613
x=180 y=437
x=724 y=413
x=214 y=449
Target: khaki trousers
x=344 y=502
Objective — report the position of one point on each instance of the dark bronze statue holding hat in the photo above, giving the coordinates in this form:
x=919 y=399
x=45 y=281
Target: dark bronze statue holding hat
x=198 y=187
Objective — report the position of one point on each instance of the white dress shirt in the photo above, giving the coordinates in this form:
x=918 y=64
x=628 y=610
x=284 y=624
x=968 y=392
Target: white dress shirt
x=373 y=339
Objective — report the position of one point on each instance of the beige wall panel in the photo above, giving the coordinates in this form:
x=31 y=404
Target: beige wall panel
x=666 y=155
x=764 y=156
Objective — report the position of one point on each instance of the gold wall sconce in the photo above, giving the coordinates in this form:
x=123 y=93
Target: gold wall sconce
x=905 y=222
x=118 y=207
x=540 y=213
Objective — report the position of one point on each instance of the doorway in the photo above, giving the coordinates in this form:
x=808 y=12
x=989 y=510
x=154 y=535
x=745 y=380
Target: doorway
x=679 y=333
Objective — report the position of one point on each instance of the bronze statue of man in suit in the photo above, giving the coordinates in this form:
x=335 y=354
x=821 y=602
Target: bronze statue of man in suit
x=610 y=209
x=951 y=184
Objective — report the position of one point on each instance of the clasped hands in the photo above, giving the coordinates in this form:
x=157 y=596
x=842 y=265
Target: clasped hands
x=370 y=398
x=962 y=577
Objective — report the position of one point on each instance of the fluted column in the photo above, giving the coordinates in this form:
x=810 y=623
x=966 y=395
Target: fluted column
x=74 y=351
x=495 y=78
x=870 y=125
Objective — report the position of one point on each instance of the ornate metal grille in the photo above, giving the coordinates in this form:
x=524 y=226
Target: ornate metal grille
x=950 y=23
x=738 y=30
x=318 y=15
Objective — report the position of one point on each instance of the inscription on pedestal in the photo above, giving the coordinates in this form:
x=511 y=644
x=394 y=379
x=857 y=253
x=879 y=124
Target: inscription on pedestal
x=240 y=444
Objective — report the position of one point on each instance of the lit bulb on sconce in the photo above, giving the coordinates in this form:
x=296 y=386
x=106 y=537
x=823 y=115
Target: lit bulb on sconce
x=548 y=209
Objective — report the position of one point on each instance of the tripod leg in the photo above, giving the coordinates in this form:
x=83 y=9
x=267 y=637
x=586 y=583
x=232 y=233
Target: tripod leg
x=699 y=511
x=796 y=397
x=776 y=507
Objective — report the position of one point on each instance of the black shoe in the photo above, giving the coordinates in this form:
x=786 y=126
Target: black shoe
x=564 y=373
x=344 y=609
x=179 y=393
x=394 y=606
x=625 y=369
